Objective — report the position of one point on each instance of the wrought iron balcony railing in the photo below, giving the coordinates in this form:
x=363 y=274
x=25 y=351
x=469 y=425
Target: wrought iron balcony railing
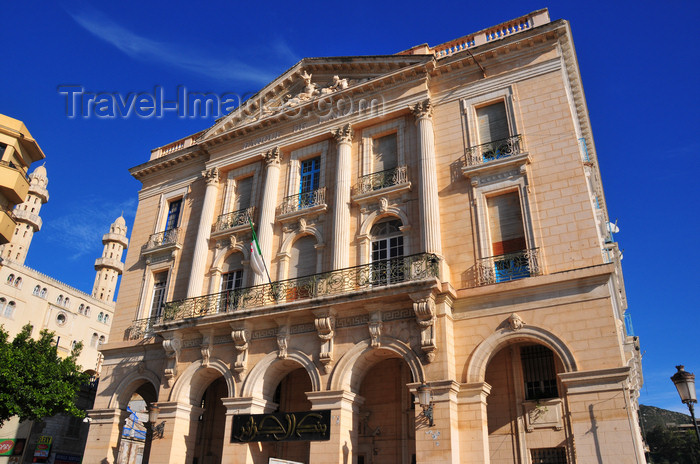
x=303 y=200
x=363 y=277
x=511 y=266
x=382 y=179
x=492 y=151
x=142 y=328
x=234 y=219
x=167 y=237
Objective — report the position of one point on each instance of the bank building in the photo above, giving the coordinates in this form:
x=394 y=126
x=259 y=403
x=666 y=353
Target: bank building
x=436 y=279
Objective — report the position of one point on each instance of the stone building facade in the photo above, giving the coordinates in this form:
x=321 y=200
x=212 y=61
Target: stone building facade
x=430 y=221
x=28 y=296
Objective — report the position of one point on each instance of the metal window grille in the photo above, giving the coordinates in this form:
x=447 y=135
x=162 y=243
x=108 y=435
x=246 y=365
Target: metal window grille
x=548 y=456
x=539 y=374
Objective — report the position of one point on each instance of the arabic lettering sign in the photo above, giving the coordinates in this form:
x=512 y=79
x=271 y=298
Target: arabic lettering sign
x=11 y=446
x=282 y=426
x=43 y=448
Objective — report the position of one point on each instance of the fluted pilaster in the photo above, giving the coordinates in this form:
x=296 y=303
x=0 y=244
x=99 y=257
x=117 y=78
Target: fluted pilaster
x=340 y=257
x=266 y=228
x=428 y=190
x=202 y=244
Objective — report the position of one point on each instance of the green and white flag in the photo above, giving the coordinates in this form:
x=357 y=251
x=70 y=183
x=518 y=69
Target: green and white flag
x=257 y=263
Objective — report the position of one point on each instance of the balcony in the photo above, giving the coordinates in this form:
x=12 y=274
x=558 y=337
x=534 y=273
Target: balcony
x=166 y=241
x=22 y=215
x=234 y=221
x=354 y=280
x=507 y=267
x=495 y=154
x=7 y=225
x=109 y=262
x=14 y=183
x=388 y=183
x=303 y=204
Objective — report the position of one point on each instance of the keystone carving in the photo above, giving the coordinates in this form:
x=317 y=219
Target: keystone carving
x=375 y=328
x=325 y=326
x=240 y=336
x=424 y=308
x=282 y=341
x=172 y=346
x=515 y=322
x=206 y=347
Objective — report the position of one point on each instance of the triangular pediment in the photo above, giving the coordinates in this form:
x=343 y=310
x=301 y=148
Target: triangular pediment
x=308 y=80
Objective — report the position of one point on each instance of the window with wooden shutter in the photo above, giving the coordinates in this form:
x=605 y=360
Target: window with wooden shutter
x=242 y=198
x=505 y=224
x=384 y=152
x=492 y=122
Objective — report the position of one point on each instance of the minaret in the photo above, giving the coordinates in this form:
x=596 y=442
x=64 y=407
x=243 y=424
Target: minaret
x=27 y=217
x=109 y=267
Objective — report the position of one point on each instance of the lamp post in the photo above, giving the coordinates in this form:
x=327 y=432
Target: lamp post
x=152 y=430
x=425 y=399
x=685 y=384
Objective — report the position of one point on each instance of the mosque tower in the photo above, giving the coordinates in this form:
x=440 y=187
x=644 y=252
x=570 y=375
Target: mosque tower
x=27 y=217
x=109 y=267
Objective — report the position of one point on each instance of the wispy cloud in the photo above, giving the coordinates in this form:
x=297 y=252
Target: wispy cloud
x=185 y=57
x=80 y=229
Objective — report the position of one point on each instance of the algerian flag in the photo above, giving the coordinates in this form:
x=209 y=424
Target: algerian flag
x=256 y=259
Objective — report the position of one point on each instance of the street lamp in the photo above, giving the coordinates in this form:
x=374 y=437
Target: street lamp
x=156 y=430
x=425 y=399
x=685 y=384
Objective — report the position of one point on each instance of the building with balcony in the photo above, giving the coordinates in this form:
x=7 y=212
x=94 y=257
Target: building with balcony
x=438 y=281
x=28 y=296
x=18 y=150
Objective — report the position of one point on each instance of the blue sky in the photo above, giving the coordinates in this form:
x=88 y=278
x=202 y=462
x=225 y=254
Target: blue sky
x=639 y=64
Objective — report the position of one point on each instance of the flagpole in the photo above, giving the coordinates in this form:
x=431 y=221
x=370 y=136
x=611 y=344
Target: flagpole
x=257 y=245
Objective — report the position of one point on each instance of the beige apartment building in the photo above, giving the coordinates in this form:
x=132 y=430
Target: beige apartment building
x=443 y=285
x=28 y=296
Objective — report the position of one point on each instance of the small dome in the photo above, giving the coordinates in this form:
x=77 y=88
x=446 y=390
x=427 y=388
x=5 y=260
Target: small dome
x=120 y=221
x=40 y=172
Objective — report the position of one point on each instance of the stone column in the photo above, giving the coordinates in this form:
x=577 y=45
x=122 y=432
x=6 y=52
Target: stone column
x=344 y=408
x=103 y=438
x=202 y=244
x=341 y=206
x=266 y=228
x=179 y=433
x=473 y=422
x=427 y=185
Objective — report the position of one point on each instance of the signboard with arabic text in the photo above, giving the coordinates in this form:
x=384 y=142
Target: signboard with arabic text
x=282 y=426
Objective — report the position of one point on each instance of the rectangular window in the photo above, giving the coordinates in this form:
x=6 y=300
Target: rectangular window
x=244 y=188
x=173 y=218
x=548 y=456
x=231 y=281
x=384 y=152
x=158 y=296
x=507 y=235
x=310 y=175
x=492 y=122
x=539 y=373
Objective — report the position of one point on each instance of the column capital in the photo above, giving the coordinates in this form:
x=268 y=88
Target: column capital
x=273 y=156
x=211 y=176
x=422 y=110
x=343 y=134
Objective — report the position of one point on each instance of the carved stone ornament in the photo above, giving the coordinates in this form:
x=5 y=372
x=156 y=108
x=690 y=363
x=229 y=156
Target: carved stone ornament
x=375 y=328
x=424 y=308
x=515 y=322
x=240 y=336
x=211 y=176
x=325 y=326
x=302 y=224
x=282 y=341
x=172 y=346
x=423 y=109
x=273 y=156
x=206 y=347
x=343 y=134
x=383 y=204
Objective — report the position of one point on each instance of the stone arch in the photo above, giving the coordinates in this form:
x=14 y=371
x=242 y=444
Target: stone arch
x=476 y=369
x=129 y=384
x=350 y=369
x=223 y=253
x=291 y=238
x=374 y=216
x=192 y=383
x=270 y=370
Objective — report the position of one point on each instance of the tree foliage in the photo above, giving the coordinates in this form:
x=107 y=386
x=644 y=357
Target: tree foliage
x=34 y=381
x=668 y=446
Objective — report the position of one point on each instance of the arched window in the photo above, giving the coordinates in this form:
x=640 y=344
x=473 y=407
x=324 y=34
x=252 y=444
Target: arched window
x=66 y=302
x=43 y=292
x=18 y=282
x=3 y=301
x=106 y=319
x=81 y=308
x=102 y=340
x=10 y=310
x=37 y=291
x=87 y=310
x=99 y=317
x=10 y=279
x=93 y=340
x=302 y=263
x=231 y=280
x=387 y=249
x=59 y=300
